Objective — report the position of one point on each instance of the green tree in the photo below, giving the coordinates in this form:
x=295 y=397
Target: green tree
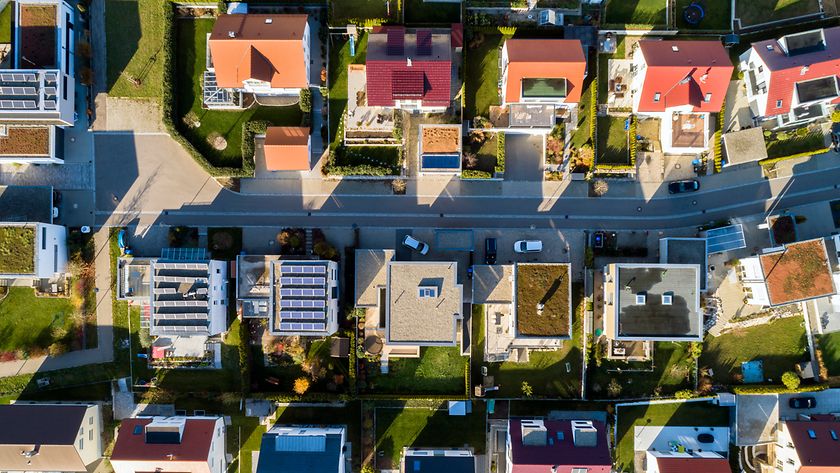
x=527 y=390
x=684 y=394
x=791 y=380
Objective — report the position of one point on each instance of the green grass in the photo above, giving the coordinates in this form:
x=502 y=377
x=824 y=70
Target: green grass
x=635 y=12
x=398 y=427
x=356 y=11
x=830 y=346
x=439 y=370
x=797 y=144
x=752 y=12
x=339 y=60
x=604 y=68
x=672 y=414
x=6 y=23
x=386 y=156
x=17 y=250
x=34 y=323
x=581 y=135
x=421 y=13
x=717 y=15
x=134 y=34
x=482 y=75
x=191 y=49
x=779 y=344
x=672 y=368
x=612 y=141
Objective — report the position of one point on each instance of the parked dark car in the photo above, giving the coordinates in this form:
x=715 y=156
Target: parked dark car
x=683 y=186
x=706 y=438
x=489 y=251
x=807 y=402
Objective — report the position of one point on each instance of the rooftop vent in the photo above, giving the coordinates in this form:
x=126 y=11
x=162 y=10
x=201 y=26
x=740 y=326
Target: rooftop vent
x=269 y=21
x=804 y=70
x=769 y=47
x=427 y=291
x=408 y=62
x=534 y=433
x=675 y=48
x=584 y=433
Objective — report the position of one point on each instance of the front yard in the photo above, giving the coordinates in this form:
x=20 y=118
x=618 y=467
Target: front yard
x=191 y=38
x=401 y=425
x=669 y=372
x=439 y=370
x=613 y=148
x=134 y=35
x=482 y=73
x=635 y=12
x=753 y=12
x=671 y=414
x=793 y=142
x=779 y=345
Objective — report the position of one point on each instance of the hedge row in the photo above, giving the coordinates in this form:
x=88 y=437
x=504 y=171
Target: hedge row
x=244 y=359
x=500 y=152
x=633 y=142
x=593 y=114
x=777 y=389
x=249 y=130
x=475 y=174
x=352 y=362
x=771 y=161
x=614 y=167
x=716 y=146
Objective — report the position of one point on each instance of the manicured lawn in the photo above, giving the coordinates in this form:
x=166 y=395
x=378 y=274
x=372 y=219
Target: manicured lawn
x=672 y=368
x=339 y=60
x=134 y=35
x=779 y=344
x=752 y=12
x=439 y=370
x=717 y=15
x=32 y=323
x=581 y=135
x=612 y=141
x=830 y=346
x=191 y=49
x=482 y=75
x=356 y=11
x=796 y=145
x=636 y=12
x=421 y=13
x=6 y=23
x=672 y=414
x=398 y=427
x=17 y=250
x=388 y=157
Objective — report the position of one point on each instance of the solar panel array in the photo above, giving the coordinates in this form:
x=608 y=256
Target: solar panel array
x=8 y=90
x=315 y=303
x=303 y=327
x=302 y=269
x=18 y=104
x=395 y=45
x=723 y=239
x=18 y=77
x=184 y=254
x=308 y=292
x=301 y=315
x=289 y=281
x=424 y=43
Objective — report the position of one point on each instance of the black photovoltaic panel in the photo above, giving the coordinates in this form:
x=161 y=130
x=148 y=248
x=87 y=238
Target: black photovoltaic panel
x=302 y=327
x=424 y=43
x=396 y=42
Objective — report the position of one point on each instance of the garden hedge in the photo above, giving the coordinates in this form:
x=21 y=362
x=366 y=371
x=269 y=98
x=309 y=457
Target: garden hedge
x=777 y=389
x=249 y=130
x=475 y=174
x=500 y=152
x=771 y=161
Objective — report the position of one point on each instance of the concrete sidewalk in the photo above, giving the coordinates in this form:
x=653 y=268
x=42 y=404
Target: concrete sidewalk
x=104 y=353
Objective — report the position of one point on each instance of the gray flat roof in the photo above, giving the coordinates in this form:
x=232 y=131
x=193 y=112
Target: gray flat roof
x=423 y=320
x=756 y=418
x=253 y=276
x=653 y=318
x=492 y=284
x=745 y=146
x=687 y=251
x=370 y=275
x=531 y=115
x=26 y=204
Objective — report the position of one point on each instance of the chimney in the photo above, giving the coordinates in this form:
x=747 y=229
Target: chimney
x=675 y=48
x=408 y=62
x=269 y=21
x=804 y=70
x=534 y=433
x=584 y=433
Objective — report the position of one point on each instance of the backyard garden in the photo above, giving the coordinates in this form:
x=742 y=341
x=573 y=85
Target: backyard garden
x=669 y=371
x=635 y=12
x=755 y=12
x=439 y=370
x=480 y=157
x=134 y=33
x=482 y=72
x=792 y=143
x=613 y=146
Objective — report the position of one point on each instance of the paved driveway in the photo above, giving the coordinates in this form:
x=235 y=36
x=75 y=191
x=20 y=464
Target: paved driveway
x=524 y=157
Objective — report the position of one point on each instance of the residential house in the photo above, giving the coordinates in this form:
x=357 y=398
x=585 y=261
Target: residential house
x=792 y=273
x=522 y=312
x=540 y=76
x=40 y=249
x=409 y=69
x=410 y=304
x=287 y=148
x=298 y=297
x=449 y=460
x=793 y=80
x=680 y=83
x=170 y=444
x=558 y=446
x=311 y=449
x=689 y=449
x=49 y=437
x=808 y=445
x=37 y=84
x=256 y=54
x=183 y=296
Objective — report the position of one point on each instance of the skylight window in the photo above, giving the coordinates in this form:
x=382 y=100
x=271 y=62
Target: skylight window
x=778 y=104
x=812 y=434
x=708 y=97
x=833 y=435
x=656 y=97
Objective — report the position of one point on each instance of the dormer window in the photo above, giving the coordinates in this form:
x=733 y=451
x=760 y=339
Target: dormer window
x=425 y=292
x=641 y=298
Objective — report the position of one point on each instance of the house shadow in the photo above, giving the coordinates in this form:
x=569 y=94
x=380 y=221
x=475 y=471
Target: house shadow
x=124 y=39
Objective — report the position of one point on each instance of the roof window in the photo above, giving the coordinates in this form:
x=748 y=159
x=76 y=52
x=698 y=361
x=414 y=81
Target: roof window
x=833 y=435
x=812 y=434
x=657 y=96
x=778 y=104
x=708 y=97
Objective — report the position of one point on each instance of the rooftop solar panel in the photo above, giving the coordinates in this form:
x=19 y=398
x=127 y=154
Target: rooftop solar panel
x=395 y=45
x=725 y=239
x=301 y=315
x=424 y=43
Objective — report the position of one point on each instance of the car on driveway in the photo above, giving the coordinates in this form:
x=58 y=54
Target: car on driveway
x=490 y=251
x=683 y=186
x=805 y=402
x=415 y=244
x=527 y=246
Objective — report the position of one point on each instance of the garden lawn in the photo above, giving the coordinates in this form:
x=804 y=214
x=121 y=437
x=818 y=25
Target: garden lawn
x=717 y=15
x=612 y=141
x=779 y=344
x=671 y=373
x=6 y=23
x=830 y=346
x=134 y=34
x=191 y=46
x=796 y=145
x=439 y=370
x=753 y=12
x=29 y=323
x=422 y=13
x=672 y=414
x=482 y=75
x=581 y=135
x=356 y=11
x=398 y=427
x=339 y=60
x=635 y=12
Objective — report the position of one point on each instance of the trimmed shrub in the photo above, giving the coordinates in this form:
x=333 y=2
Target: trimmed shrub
x=500 y=152
x=305 y=103
x=777 y=389
x=475 y=174
x=791 y=380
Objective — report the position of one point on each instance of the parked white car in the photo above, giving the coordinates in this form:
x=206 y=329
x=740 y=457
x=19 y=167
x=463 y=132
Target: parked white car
x=415 y=244
x=527 y=246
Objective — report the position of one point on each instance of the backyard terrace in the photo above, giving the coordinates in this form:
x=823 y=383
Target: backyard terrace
x=37 y=28
x=17 y=250
x=543 y=302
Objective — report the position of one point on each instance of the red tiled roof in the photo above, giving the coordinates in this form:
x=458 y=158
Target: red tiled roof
x=685 y=76
x=263 y=47
x=563 y=453
x=286 y=148
x=194 y=446
x=693 y=465
x=786 y=71
x=817 y=453
x=545 y=59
